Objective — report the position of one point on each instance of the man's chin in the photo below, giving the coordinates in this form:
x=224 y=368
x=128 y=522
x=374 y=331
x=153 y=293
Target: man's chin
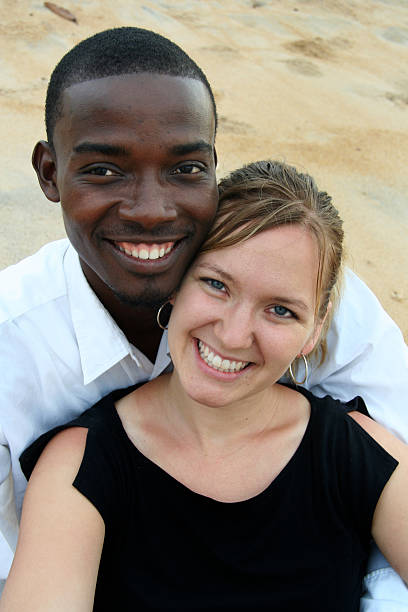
x=148 y=299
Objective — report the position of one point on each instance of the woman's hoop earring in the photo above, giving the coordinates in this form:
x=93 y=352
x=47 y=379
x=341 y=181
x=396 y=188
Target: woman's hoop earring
x=158 y=316
x=300 y=382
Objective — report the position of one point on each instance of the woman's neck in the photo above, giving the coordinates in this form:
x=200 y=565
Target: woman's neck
x=219 y=427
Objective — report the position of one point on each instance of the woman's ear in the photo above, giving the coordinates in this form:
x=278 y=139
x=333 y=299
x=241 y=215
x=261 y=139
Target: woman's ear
x=172 y=298
x=44 y=163
x=311 y=343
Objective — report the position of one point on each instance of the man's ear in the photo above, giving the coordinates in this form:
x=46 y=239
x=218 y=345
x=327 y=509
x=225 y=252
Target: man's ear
x=311 y=343
x=43 y=160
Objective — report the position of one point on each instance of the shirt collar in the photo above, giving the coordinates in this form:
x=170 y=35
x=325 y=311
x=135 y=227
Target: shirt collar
x=101 y=342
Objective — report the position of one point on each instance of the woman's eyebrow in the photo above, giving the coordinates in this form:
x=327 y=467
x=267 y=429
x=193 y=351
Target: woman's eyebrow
x=290 y=302
x=217 y=270
x=273 y=299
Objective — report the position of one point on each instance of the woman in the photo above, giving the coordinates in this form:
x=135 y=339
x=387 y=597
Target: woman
x=215 y=487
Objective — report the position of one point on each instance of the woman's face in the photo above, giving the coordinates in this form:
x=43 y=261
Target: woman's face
x=243 y=314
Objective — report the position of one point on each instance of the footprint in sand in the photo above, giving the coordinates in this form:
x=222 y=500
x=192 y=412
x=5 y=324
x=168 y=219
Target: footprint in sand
x=396 y=35
x=317 y=48
x=230 y=126
x=303 y=67
x=221 y=50
x=398 y=99
x=397 y=296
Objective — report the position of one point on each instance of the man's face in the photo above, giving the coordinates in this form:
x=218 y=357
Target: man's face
x=135 y=173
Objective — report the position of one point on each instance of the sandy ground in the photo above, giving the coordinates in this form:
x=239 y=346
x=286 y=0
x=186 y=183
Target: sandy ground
x=320 y=84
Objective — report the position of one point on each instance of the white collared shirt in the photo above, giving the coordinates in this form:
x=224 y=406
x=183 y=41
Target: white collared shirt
x=61 y=351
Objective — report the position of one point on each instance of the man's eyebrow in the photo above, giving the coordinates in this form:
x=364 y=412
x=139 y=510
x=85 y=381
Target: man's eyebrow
x=100 y=147
x=192 y=147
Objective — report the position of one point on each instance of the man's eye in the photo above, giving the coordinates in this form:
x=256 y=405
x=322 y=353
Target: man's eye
x=214 y=284
x=101 y=171
x=188 y=169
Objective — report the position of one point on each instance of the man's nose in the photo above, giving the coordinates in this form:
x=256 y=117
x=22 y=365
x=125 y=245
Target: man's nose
x=148 y=201
x=235 y=328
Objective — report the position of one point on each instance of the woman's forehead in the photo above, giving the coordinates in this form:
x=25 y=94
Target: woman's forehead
x=285 y=258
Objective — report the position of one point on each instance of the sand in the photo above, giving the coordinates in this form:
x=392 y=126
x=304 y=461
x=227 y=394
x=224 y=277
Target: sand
x=320 y=84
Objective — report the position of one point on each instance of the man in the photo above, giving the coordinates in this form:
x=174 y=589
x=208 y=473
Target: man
x=130 y=154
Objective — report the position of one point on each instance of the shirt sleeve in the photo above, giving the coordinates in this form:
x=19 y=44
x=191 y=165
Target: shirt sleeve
x=383 y=589
x=8 y=514
x=363 y=471
x=17 y=389
x=367 y=356
x=97 y=477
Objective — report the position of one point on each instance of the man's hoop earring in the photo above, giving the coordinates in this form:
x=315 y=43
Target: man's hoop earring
x=158 y=316
x=300 y=382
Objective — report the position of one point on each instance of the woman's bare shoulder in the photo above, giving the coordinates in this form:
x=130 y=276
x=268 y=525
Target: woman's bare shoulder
x=393 y=445
x=63 y=454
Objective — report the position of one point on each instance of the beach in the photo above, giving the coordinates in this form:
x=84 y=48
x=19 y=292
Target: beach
x=322 y=85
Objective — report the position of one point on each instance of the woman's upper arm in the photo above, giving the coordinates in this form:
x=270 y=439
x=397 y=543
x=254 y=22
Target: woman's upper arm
x=61 y=536
x=390 y=521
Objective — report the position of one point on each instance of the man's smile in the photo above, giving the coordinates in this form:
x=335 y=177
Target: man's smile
x=142 y=250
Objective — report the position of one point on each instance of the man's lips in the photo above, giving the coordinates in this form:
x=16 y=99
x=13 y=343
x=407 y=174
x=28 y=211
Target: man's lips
x=145 y=251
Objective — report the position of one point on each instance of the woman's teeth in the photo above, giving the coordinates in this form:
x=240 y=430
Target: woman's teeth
x=218 y=363
x=145 y=251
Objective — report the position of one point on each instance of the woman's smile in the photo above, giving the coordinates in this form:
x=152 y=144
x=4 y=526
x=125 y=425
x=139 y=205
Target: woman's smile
x=218 y=362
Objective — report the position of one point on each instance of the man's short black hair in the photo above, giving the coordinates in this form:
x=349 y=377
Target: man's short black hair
x=115 y=52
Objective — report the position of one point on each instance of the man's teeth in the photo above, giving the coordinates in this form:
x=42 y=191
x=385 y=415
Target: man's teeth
x=145 y=251
x=217 y=362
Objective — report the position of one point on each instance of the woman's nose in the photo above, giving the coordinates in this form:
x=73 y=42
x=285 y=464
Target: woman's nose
x=235 y=328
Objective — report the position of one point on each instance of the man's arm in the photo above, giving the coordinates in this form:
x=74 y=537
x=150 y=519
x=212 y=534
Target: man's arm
x=384 y=590
x=390 y=520
x=61 y=536
x=8 y=514
x=367 y=356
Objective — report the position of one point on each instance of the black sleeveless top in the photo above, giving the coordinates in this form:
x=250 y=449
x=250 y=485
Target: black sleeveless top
x=300 y=545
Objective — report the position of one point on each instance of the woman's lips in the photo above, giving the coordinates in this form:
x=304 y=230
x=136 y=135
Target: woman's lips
x=217 y=362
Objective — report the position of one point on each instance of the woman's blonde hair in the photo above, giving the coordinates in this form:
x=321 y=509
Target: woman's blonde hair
x=269 y=194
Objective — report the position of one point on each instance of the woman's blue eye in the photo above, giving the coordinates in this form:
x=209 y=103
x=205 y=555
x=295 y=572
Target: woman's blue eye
x=215 y=284
x=281 y=311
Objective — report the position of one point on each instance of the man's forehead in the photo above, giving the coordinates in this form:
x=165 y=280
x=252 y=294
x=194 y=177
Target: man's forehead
x=137 y=104
x=136 y=90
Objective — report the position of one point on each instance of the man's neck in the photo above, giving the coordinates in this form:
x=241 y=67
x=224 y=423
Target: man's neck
x=139 y=325
x=137 y=322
